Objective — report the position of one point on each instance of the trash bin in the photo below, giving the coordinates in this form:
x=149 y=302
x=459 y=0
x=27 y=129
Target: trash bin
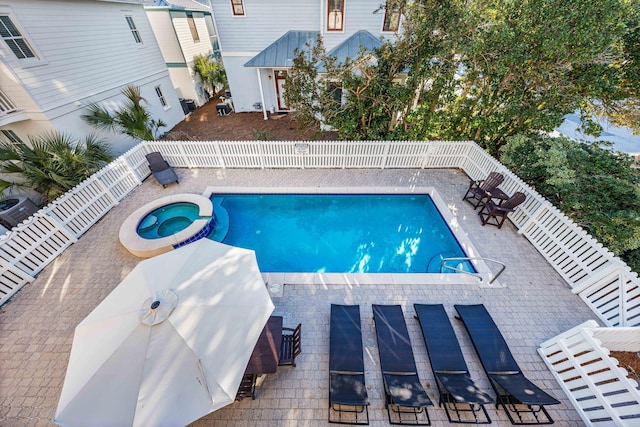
x=191 y=105
x=185 y=107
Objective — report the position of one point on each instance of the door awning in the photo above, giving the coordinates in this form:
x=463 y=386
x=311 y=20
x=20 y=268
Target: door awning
x=280 y=54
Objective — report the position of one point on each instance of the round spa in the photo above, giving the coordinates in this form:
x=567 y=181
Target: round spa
x=167 y=223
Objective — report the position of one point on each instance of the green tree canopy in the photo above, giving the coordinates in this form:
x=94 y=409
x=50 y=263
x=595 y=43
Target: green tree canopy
x=596 y=187
x=52 y=163
x=481 y=70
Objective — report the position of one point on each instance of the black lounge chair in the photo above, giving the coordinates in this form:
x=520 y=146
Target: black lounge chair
x=160 y=169
x=518 y=396
x=463 y=400
x=348 y=399
x=406 y=398
x=499 y=212
x=483 y=189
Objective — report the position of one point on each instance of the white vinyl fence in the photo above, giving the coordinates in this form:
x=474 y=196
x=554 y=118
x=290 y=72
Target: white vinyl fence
x=599 y=389
x=603 y=281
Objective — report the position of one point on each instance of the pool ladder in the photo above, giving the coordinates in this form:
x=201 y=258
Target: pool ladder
x=459 y=270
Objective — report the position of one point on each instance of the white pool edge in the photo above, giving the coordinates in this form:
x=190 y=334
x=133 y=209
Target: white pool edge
x=356 y=279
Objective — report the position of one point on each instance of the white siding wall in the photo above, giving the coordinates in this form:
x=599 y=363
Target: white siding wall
x=191 y=48
x=184 y=84
x=162 y=27
x=243 y=83
x=264 y=22
x=88 y=54
x=243 y=37
x=88 y=48
x=358 y=15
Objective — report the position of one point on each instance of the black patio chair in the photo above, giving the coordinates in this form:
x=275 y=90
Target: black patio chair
x=482 y=189
x=463 y=400
x=348 y=399
x=498 y=212
x=247 y=387
x=291 y=345
x=160 y=169
x=522 y=400
x=406 y=398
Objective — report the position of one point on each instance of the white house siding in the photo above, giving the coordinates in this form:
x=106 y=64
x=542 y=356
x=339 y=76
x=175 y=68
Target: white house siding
x=162 y=28
x=190 y=48
x=263 y=23
x=88 y=54
x=358 y=15
x=243 y=83
x=171 y=28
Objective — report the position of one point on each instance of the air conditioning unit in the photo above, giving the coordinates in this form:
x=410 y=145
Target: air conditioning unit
x=14 y=210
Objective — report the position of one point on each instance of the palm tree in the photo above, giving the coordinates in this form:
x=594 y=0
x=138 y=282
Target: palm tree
x=131 y=119
x=51 y=164
x=210 y=71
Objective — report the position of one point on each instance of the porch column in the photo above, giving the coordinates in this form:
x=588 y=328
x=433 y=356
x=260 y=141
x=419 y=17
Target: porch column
x=264 y=108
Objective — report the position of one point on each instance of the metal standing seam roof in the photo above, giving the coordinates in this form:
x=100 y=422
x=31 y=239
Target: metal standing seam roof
x=351 y=47
x=190 y=5
x=281 y=52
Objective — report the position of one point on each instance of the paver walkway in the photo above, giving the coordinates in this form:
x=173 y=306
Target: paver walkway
x=533 y=304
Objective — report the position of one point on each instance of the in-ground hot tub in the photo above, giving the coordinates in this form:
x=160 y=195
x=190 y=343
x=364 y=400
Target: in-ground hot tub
x=167 y=223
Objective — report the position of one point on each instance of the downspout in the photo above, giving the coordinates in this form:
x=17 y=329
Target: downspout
x=264 y=108
x=320 y=28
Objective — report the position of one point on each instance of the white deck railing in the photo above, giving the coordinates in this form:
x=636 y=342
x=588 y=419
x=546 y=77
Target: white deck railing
x=603 y=281
x=599 y=389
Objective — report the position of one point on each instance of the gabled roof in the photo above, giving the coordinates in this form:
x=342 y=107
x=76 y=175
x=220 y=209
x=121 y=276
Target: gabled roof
x=191 y=5
x=350 y=48
x=281 y=52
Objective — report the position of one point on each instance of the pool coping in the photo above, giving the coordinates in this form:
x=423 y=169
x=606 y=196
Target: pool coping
x=146 y=248
x=482 y=278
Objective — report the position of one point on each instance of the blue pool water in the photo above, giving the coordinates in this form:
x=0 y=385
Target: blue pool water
x=338 y=233
x=168 y=220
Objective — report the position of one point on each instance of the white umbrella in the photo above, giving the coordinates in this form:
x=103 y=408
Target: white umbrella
x=170 y=343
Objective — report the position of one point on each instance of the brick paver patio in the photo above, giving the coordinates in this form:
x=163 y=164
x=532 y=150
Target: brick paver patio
x=532 y=304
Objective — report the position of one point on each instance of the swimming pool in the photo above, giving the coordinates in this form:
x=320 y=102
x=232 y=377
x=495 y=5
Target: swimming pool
x=339 y=233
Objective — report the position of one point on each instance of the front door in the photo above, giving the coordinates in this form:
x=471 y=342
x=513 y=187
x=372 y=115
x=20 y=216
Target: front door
x=280 y=77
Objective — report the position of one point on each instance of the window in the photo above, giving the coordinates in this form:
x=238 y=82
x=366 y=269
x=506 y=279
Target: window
x=11 y=136
x=161 y=97
x=192 y=28
x=134 y=30
x=335 y=88
x=16 y=42
x=335 y=15
x=391 y=20
x=237 y=7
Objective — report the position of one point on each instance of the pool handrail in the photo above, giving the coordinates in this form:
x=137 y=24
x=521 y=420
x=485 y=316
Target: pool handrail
x=479 y=276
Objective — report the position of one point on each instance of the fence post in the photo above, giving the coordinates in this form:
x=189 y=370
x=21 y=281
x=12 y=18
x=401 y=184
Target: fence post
x=385 y=157
x=534 y=216
x=185 y=158
x=105 y=190
x=427 y=155
x=622 y=302
x=132 y=170
x=261 y=154
x=216 y=148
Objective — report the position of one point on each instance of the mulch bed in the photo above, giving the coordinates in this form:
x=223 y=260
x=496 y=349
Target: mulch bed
x=630 y=361
x=205 y=124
